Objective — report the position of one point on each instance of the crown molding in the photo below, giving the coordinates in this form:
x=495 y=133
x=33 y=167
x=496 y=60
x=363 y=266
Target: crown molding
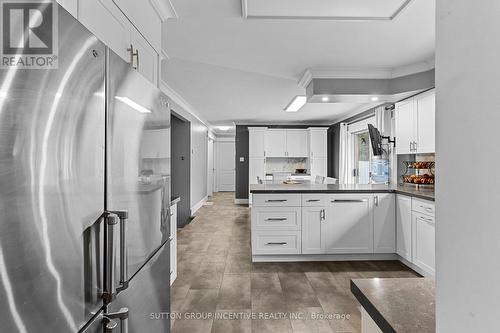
x=179 y=100
x=164 y=9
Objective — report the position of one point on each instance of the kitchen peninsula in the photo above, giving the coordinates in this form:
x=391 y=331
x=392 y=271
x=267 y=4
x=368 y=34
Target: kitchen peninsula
x=325 y=222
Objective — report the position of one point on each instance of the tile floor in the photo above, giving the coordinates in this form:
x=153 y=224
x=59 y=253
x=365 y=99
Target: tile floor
x=216 y=276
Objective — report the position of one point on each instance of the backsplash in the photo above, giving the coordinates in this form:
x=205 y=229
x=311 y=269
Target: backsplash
x=286 y=164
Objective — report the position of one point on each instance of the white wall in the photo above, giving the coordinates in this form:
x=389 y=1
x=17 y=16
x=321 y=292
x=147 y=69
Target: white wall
x=467 y=154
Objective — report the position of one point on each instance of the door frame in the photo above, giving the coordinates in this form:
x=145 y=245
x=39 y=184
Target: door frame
x=353 y=129
x=217 y=161
x=211 y=187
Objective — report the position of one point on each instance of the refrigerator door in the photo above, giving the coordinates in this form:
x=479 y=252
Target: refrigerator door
x=52 y=187
x=138 y=163
x=148 y=297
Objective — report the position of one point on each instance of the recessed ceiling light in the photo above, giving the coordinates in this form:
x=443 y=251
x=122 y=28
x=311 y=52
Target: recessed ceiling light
x=296 y=104
x=224 y=128
x=325 y=99
x=374 y=98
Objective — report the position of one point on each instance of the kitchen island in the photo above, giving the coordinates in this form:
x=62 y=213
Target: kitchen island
x=325 y=222
x=396 y=305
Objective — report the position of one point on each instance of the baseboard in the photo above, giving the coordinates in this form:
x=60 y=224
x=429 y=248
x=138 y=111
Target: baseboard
x=322 y=257
x=415 y=267
x=241 y=201
x=195 y=208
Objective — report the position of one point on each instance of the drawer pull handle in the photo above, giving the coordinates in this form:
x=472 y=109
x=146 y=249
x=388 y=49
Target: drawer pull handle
x=276 y=243
x=277 y=200
x=429 y=209
x=350 y=200
x=276 y=219
x=313 y=200
x=430 y=221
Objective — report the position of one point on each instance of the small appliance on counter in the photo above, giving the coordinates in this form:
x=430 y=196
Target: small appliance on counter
x=301 y=171
x=420 y=174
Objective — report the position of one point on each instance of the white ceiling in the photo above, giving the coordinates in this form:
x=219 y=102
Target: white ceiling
x=246 y=71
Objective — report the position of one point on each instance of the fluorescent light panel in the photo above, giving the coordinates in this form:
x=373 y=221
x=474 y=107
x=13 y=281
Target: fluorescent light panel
x=296 y=104
x=133 y=104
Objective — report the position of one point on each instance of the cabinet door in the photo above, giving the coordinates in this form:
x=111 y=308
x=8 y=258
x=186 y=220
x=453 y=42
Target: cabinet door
x=349 y=224
x=296 y=143
x=256 y=168
x=318 y=143
x=384 y=223
x=424 y=242
x=108 y=23
x=403 y=226
x=313 y=235
x=276 y=143
x=319 y=167
x=257 y=143
x=405 y=127
x=426 y=120
x=147 y=58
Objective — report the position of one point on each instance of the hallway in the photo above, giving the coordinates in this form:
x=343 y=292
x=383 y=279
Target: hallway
x=216 y=277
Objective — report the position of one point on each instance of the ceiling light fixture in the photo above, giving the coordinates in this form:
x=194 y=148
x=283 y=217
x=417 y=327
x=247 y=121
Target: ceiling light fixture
x=133 y=104
x=374 y=98
x=325 y=99
x=224 y=128
x=296 y=104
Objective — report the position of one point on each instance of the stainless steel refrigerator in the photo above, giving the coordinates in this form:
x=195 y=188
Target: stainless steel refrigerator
x=84 y=194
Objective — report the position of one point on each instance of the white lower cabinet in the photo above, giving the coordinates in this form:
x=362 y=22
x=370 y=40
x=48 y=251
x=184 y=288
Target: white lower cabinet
x=384 y=223
x=276 y=242
x=350 y=224
x=403 y=226
x=424 y=242
x=313 y=233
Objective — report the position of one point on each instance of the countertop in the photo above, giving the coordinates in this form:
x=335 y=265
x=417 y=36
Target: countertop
x=306 y=187
x=398 y=305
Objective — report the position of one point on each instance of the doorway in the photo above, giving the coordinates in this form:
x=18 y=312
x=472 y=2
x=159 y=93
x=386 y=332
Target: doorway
x=181 y=167
x=210 y=167
x=226 y=170
x=360 y=158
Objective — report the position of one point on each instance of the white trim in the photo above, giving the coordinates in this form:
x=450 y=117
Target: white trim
x=164 y=9
x=174 y=96
x=225 y=139
x=241 y=201
x=323 y=257
x=244 y=9
x=415 y=267
x=195 y=208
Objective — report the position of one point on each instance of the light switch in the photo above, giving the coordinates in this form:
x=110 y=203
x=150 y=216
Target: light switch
x=242 y=159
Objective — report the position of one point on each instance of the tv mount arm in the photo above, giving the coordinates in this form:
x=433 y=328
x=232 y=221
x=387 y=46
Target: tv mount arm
x=388 y=138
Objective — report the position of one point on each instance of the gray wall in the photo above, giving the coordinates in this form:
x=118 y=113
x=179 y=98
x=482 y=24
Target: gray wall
x=181 y=166
x=241 y=191
x=468 y=188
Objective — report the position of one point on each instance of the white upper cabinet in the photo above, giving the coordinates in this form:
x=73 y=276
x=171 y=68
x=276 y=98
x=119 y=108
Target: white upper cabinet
x=319 y=167
x=144 y=18
x=108 y=23
x=405 y=127
x=403 y=227
x=318 y=142
x=384 y=223
x=276 y=143
x=146 y=60
x=287 y=143
x=426 y=113
x=415 y=124
x=257 y=142
x=296 y=143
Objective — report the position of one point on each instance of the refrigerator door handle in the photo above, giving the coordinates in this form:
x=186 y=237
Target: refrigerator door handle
x=122 y=315
x=111 y=220
x=123 y=216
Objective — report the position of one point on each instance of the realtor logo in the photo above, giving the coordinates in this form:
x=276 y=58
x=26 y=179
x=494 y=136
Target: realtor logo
x=28 y=34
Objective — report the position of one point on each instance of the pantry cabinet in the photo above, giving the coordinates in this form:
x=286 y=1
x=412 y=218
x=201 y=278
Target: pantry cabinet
x=318 y=139
x=350 y=224
x=415 y=124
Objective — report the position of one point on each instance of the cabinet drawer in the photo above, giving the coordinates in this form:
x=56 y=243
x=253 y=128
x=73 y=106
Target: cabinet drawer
x=276 y=218
x=314 y=200
x=276 y=242
x=423 y=206
x=274 y=200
